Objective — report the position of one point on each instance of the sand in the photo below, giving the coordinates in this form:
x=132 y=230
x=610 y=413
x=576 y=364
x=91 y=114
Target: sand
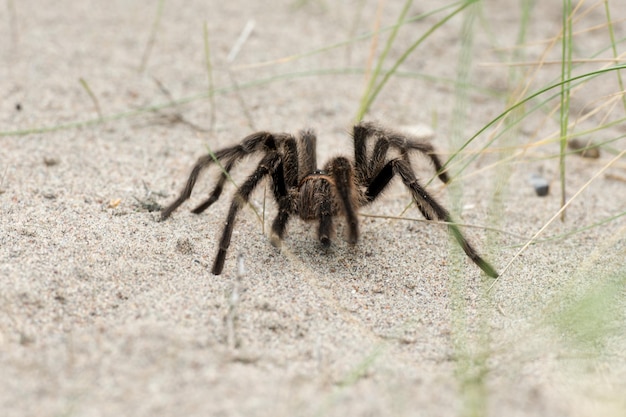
x=105 y=311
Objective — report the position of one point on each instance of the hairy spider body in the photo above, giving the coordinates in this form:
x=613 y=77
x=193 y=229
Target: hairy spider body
x=340 y=188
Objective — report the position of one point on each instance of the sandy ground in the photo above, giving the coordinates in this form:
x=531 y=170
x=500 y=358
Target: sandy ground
x=106 y=312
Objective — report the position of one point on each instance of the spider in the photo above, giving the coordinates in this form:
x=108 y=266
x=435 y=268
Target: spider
x=339 y=189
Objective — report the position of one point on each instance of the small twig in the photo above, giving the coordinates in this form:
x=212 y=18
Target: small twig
x=2 y=179
x=243 y=37
x=317 y=353
x=209 y=70
x=615 y=177
x=176 y=116
x=148 y=202
x=233 y=302
x=152 y=38
x=93 y=97
x=473 y=226
x=374 y=41
x=242 y=102
x=166 y=92
x=13 y=23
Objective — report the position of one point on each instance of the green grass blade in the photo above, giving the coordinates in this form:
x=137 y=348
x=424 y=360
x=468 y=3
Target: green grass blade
x=517 y=105
x=91 y=94
x=209 y=71
x=614 y=48
x=381 y=59
x=155 y=27
x=367 y=101
x=566 y=74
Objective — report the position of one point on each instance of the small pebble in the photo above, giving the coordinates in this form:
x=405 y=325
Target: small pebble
x=50 y=161
x=540 y=184
x=585 y=148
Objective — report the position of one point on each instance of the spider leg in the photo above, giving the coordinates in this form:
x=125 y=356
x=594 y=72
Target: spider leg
x=378 y=159
x=291 y=161
x=401 y=142
x=307 y=143
x=250 y=144
x=267 y=166
x=283 y=177
x=429 y=207
x=217 y=191
x=202 y=163
x=342 y=172
x=360 y=133
x=379 y=183
x=406 y=144
x=282 y=199
x=278 y=226
x=326 y=228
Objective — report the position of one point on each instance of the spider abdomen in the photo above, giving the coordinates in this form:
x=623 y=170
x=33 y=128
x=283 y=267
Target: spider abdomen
x=314 y=197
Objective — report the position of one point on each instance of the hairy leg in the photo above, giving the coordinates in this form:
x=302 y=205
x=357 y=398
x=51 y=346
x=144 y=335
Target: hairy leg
x=291 y=163
x=217 y=190
x=401 y=142
x=307 y=151
x=427 y=205
x=267 y=166
x=340 y=169
x=250 y=144
x=360 y=135
x=282 y=199
x=378 y=159
x=200 y=165
x=326 y=228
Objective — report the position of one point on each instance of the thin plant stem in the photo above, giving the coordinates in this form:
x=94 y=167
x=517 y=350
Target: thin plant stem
x=557 y=214
x=367 y=100
x=93 y=97
x=607 y=10
x=209 y=71
x=283 y=77
x=372 y=80
x=13 y=23
x=232 y=55
x=150 y=44
x=517 y=105
x=374 y=42
x=566 y=74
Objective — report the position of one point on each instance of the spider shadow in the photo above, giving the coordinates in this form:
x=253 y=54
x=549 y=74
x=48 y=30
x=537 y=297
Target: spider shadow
x=301 y=250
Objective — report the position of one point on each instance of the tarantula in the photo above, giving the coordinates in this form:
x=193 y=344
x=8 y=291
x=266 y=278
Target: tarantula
x=340 y=188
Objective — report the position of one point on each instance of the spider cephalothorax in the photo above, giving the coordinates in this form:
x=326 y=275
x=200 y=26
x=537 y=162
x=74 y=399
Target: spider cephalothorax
x=340 y=188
